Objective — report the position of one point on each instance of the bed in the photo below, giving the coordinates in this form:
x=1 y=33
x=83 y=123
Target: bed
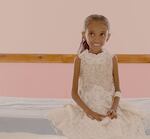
x=27 y=118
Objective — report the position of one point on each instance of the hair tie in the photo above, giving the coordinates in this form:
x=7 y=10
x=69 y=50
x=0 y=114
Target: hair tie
x=117 y=94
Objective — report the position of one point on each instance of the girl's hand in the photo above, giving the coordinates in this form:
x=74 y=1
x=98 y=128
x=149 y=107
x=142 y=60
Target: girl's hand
x=95 y=115
x=112 y=113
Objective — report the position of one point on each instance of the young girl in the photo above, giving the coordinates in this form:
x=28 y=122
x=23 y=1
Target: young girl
x=98 y=113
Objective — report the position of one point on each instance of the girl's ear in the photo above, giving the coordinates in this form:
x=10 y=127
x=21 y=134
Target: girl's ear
x=108 y=36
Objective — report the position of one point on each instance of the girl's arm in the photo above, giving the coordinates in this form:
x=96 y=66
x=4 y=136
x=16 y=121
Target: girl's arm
x=75 y=95
x=116 y=82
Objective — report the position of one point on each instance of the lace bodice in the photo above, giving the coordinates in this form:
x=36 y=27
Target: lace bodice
x=96 y=70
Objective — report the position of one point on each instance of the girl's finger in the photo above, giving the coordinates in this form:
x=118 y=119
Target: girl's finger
x=90 y=117
x=108 y=113
x=114 y=116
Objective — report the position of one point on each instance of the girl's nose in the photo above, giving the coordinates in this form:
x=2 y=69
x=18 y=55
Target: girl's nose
x=97 y=40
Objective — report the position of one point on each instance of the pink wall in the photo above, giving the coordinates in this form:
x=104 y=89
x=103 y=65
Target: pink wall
x=55 y=26
x=135 y=80
x=55 y=80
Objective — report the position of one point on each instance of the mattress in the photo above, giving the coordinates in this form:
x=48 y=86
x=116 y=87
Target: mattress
x=24 y=135
x=29 y=116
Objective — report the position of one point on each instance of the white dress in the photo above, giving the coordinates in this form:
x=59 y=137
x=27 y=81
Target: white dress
x=96 y=88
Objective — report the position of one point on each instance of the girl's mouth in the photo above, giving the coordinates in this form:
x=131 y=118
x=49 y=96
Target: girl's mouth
x=96 y=45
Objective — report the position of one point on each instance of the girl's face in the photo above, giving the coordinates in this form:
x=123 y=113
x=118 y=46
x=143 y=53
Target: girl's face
x=96 y=35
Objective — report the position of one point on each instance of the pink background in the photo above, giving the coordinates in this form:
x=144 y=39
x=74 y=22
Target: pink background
x=55 y=26
x=55 y=80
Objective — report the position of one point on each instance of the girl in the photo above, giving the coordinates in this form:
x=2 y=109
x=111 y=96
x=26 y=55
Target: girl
x=98 y=113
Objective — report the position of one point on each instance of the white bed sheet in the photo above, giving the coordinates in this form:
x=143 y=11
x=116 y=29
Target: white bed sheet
x=39 y=108
x=28 y=107
x=12 y=107
x=22 y=135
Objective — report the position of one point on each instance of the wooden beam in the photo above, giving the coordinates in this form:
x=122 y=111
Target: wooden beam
x=133 y=58
x=66 y=58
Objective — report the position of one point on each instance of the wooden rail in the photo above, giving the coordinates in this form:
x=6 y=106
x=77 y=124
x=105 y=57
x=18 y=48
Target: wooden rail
x=66 y=58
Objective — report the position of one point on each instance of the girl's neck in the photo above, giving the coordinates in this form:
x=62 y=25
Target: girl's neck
x=100 y=51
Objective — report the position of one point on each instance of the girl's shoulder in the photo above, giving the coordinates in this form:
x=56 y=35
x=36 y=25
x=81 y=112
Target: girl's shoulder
x=82 y=54
x=77 y=58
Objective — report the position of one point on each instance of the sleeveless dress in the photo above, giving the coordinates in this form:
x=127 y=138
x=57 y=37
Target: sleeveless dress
x=96 y=88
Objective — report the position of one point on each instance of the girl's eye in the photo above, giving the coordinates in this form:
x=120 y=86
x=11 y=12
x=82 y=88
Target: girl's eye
x=92 y=34
x=102 y=34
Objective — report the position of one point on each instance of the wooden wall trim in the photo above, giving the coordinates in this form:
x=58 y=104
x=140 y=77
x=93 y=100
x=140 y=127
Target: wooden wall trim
x=133 y=58
x=66 y=58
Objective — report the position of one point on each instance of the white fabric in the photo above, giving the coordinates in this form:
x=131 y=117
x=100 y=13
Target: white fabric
x=96 y=88
x=29 y=107
x=18 y=107
x=22 y=135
